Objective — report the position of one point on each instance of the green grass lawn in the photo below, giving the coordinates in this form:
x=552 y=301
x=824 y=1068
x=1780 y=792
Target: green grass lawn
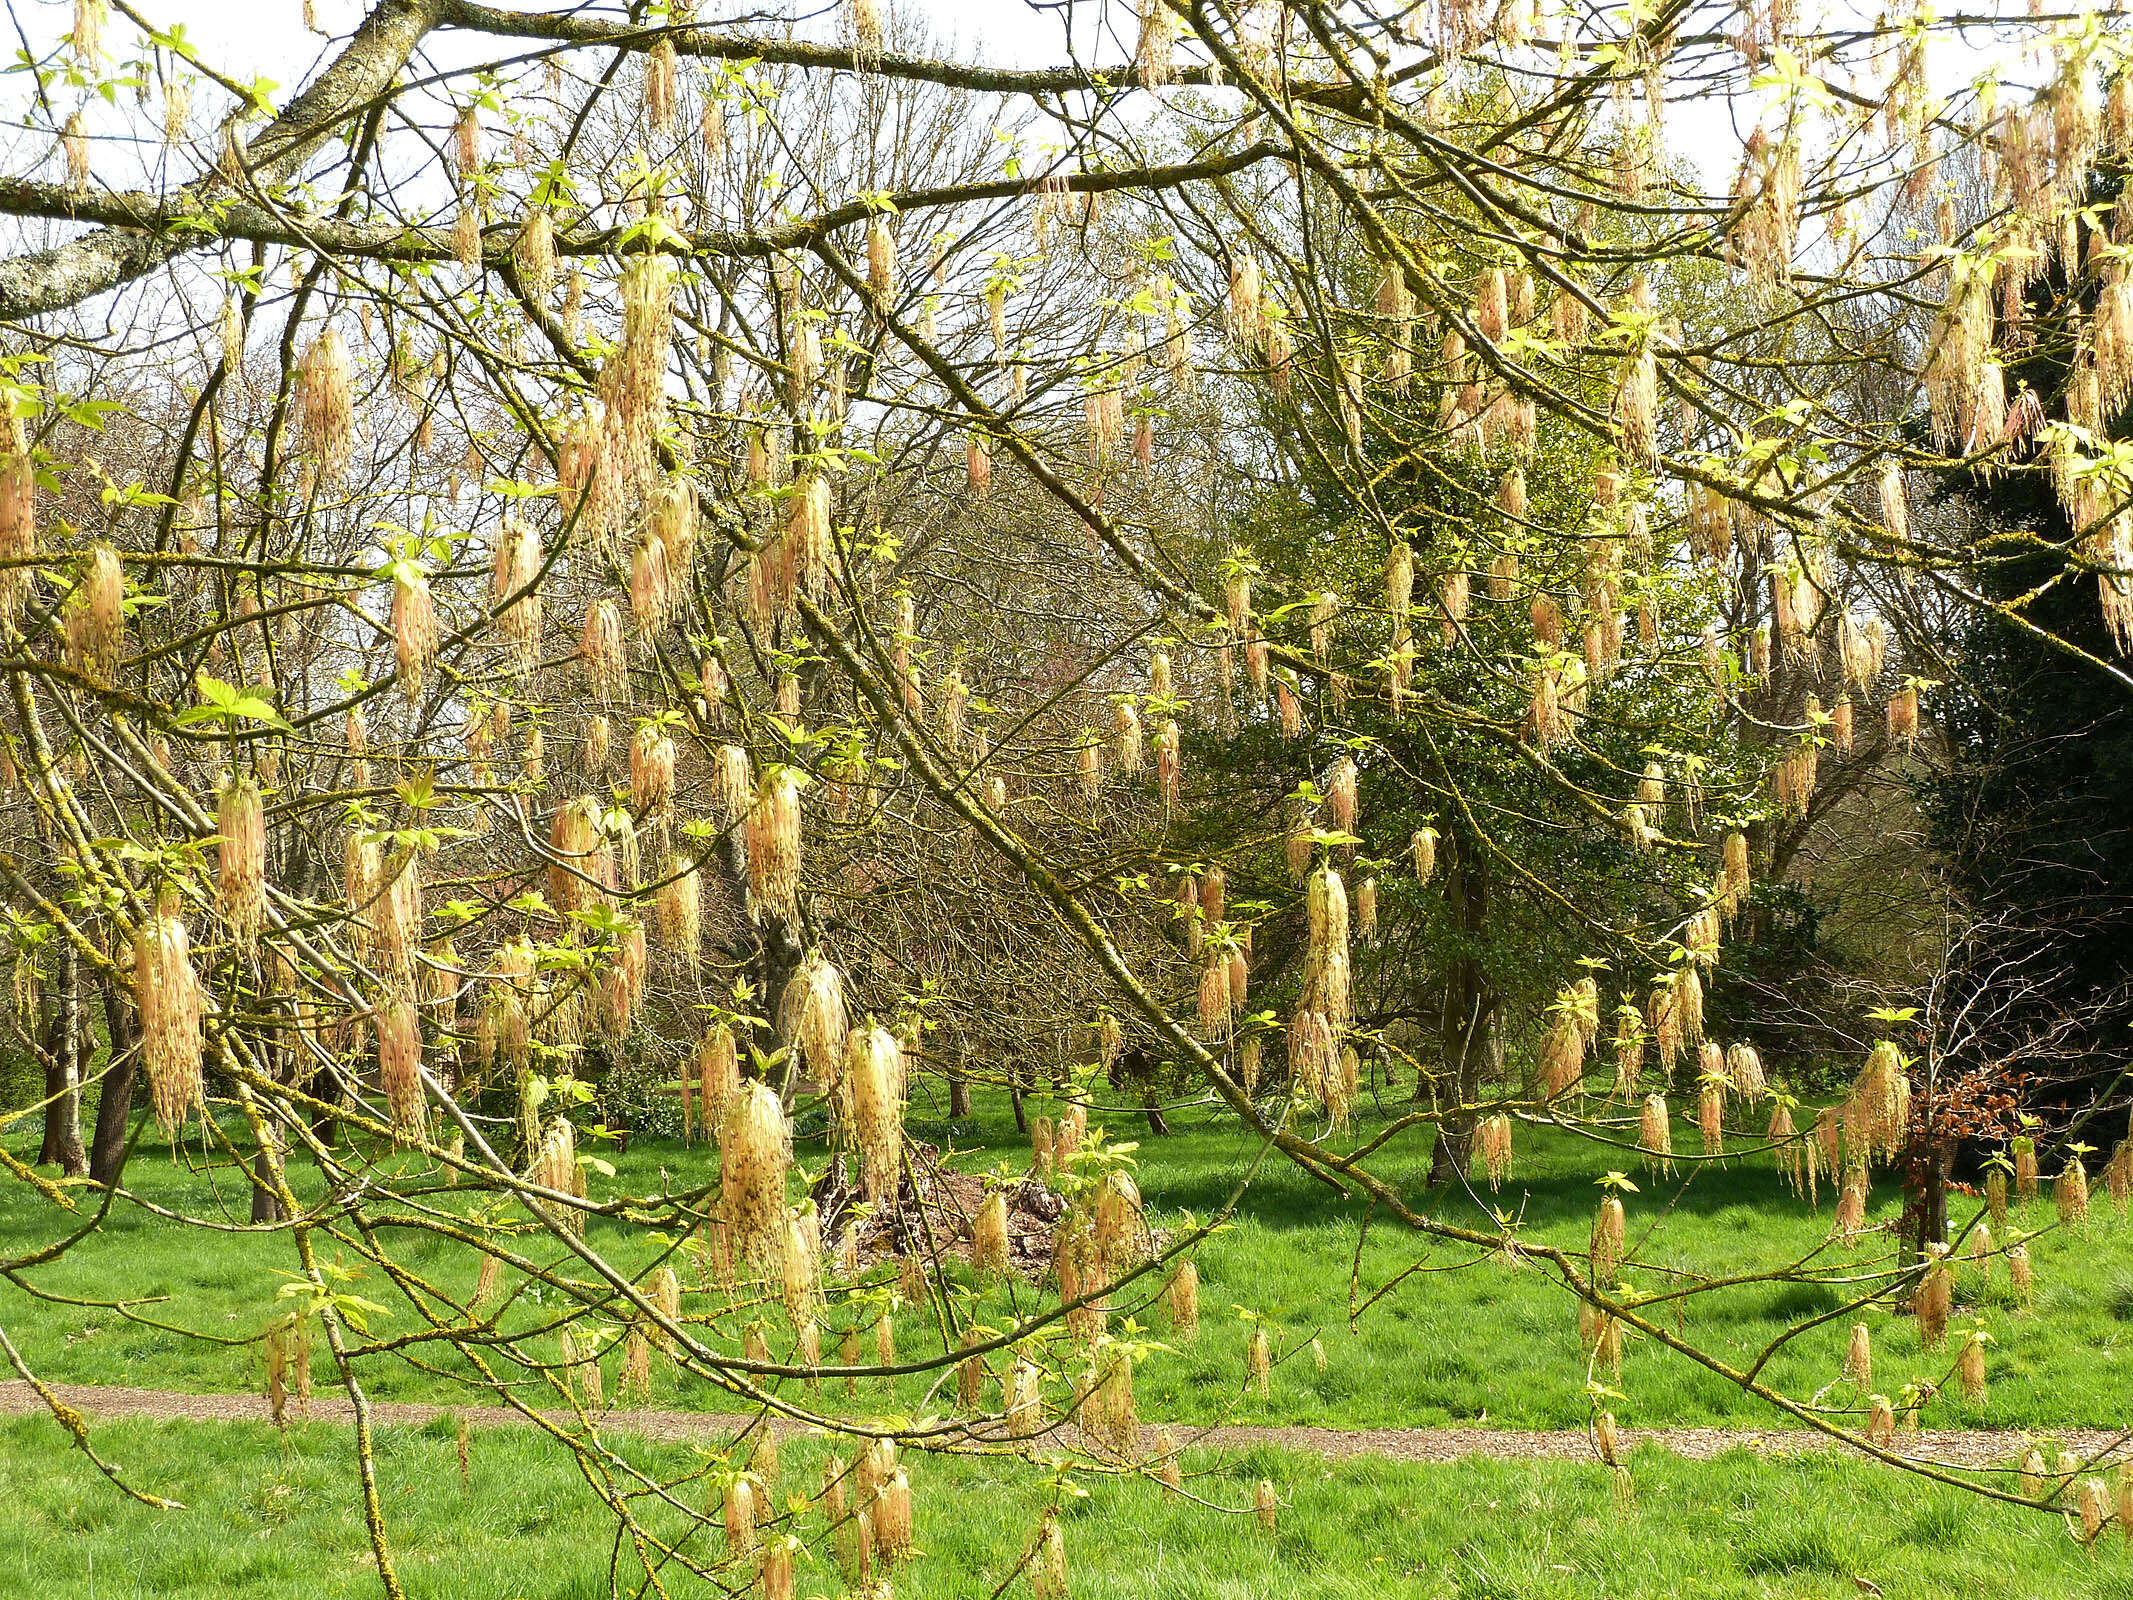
x=1492 y=1341
x=270 y=1519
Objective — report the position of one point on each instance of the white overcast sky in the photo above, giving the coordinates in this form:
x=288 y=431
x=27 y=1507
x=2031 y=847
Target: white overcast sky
x=270 y=32
x=254 y=39
x=266 y=38
x=266 y=35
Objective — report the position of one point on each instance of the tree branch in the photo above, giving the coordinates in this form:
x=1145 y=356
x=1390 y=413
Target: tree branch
x=69 y=273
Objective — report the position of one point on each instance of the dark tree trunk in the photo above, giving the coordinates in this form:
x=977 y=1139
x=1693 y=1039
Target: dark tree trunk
x=54 y=1090
x=958 y=1088
x=63 y=1073
x=45 y=1041
x=266 y=1205
x=1465 y=1023
x=107 y=1156
x=1156 y=1121
x=778 y=957
x=1748 y=923
x=1134 y=1074
x=1937 y=1192
x=777 y=952
x=1929 y=1165
x=1016 y=1079
x=325 y=1084
x=73 y=1159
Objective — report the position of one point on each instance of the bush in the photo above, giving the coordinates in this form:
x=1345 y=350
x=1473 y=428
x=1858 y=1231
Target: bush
x=638 y=1094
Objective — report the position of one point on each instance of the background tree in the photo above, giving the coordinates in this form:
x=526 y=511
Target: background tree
x=658 y=552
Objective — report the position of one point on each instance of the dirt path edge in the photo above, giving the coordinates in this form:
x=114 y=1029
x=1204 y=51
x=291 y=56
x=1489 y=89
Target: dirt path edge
x=1967 y=1448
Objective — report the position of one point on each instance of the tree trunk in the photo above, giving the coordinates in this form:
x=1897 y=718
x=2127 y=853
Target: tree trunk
x=107 y=1156
x=1937 y=1192
x=1465 y=1024
x=266 y=1204
x=958 y=1089
x=1157 y=1124
x=266 y=1207
x=44 y=1040
x=63 y=1074
x=777 y=955
x=1929 y=1165
x=1016 y=1078
x=778 y=958
x=54 y=1089
x=325 y=1084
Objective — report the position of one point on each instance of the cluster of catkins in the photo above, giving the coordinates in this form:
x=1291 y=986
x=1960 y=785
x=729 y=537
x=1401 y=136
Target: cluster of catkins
x=1322 y=1070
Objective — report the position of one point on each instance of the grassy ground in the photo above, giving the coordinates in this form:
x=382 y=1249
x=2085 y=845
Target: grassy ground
x=278 y=1520
x=1490 y=1342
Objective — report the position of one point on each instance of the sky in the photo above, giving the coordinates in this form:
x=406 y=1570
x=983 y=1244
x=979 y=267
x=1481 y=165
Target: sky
x=997 y=31
x=266 y=38
x=251 y=39
x=271 y=32
x=268 y=35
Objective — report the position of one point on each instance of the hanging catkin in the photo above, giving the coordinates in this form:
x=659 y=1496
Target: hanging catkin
x=813 y=1019
x=774 y=841
x=874 y=1089
x=1155 y=56
x=400 y=1062
x=166 y=994
x=1609 y=1234
x=1399 y=587
x=1423 y=849
x=533 y=254
x=516 y=570
x=414 y=625
x=1655 y=1134
x=1128 y=727
x=1326 y=961
x=325 y=403
x=18 y=517
x=240 y=823
x=755 y=1149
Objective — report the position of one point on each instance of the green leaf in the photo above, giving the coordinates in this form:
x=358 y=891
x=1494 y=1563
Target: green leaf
x=228 y=704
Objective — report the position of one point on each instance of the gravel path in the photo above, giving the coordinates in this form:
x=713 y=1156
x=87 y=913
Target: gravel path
x=1976 y=1448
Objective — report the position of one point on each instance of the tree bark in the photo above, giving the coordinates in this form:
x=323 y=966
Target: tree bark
x=73 y=1158
x=1929 y=1165
x=107 y=1155
x=1157 y=1123
x=266 y=1207
x=958 y=1088
x=268 y=1164
x=62 y=1145
x=1015 y=1084
x=1466 y=1023
x=54 y=1090
x=325 y=1084
x=103 y=259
